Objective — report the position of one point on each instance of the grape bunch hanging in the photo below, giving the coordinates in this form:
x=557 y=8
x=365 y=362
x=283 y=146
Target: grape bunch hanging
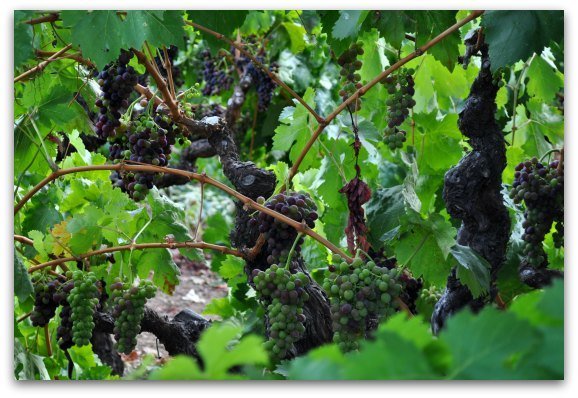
x=280 y=236
x=45 y=287
x=358 y=292
x=147 y=140
x=283 y=293
x=83 y=300
x=216 y=79
x=116 y=81
x=541 y=188
x=350 y=78
x=264 y=85
x=400 y=88
x=128 y=311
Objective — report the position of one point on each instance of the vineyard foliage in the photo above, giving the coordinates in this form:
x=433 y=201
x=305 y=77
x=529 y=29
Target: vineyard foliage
x=303 y=155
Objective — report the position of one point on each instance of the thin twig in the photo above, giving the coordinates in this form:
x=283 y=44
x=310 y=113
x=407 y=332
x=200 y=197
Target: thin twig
x=42 y=65
x=47 y=340
x=139 y=246
x=516 y=88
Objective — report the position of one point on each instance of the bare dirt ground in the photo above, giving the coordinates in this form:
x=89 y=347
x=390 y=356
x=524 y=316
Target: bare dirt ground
x=198 y=286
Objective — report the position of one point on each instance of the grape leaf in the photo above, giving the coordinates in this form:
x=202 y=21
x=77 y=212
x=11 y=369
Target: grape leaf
x=158 y=28
x=101 y=47
x=22 y=285
x=221 y=21
x=348 y=24
x=514 y=35
x=473 y=270
x=392 y=25
x=23 y=38
x=545 y=81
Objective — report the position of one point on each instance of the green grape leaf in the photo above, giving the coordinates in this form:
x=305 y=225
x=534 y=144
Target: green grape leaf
x=296 y=36
x=158 y=28
x=392 y=25
x=322 y=363
x=295 y=129
x=384 y=210
x=483 y=345
x=424 y=246
x=103 y=47
x=544 y=80
x=514 y=35
x=160 y=263
x=221 y=349
x=224 y=22
x=348 y=24
x=473 y=270
x=22 y=285
x=23 y=38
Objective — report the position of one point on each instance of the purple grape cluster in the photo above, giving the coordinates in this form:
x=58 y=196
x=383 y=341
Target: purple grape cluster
x=280 y=236
x=541 y=188
x=45 y=287
x=116 y=81
x=216 y=80
x=350 y=79
x=147 y=142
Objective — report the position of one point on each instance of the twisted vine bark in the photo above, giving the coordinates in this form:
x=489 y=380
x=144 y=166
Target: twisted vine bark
x=472 y=193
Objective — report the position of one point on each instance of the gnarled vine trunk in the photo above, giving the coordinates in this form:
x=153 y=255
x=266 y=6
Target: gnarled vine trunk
x=472 y=193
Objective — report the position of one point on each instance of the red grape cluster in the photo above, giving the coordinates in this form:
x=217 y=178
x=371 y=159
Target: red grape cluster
x=400 y=88
x=350 y=79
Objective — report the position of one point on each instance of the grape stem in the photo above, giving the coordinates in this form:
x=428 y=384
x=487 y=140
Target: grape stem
x=42 y=65
x=290 y=255
x=138 y=246
x=202 y=178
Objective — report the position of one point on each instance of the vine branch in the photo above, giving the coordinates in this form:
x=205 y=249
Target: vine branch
x=42 y=65
x=202 y=178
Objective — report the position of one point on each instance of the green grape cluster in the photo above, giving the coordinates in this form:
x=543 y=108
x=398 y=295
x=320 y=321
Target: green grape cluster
x=400 y=88
x=83 y=299
x=431 y=295
x=497 y=77
x=128 y=311
x=541 y=188
x=350 y=79
x=358 y=292
x=284 y=295
x=394 y=137
x=64 y=330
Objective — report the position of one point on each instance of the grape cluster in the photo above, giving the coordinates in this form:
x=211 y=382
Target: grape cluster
x=401 y=89
x=431 y=295
x=116 y=81
x=128 y=311
x=64 y=331
x=359 y=292
x=216 y=80
x=148 y=142
x=264 y=84
x=350 y=79
x=280 y=236
x=394 y=137
x=497 y=77
x=541 y=188
x=83 y=299
x=284 y=294
x=44 y=304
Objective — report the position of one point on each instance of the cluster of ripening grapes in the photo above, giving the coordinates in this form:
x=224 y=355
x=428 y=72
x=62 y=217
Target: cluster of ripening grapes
x=350 y=79
x=541 y=188
x=357 y=292
x=264 y=85
x=280 y=236
x=283 y=293
x=116 y=82
x=216 y=80
x=431 y=295
x=400 y=88
x=128 y=311
x=79 y=295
